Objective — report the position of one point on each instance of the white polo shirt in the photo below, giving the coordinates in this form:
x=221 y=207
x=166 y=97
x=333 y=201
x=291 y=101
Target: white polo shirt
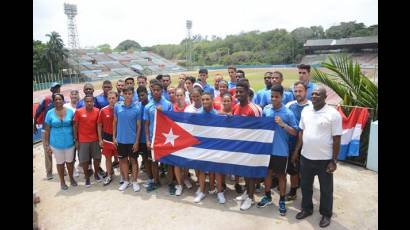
x=319 y=127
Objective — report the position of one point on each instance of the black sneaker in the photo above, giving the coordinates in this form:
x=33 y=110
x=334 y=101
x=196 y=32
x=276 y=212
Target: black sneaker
x=171 y=189
x=97 y=178
x=238 y=189
x=102 y=173
x=87 y=182
x=115 y=164
x=290 y=197
x=258 y=188
x=223 y=187
x=64 y=187
x=73 y=183
x=107 y=181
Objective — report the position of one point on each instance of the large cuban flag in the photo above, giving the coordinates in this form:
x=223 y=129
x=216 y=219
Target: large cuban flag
x=353 y=126
x=225 y=144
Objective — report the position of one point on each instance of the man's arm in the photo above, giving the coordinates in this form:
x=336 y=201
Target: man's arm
x=148 y=141
x=99 y=131
x=114 y=130
x=299 y=143
x=75 y=130
x=137 y=139
x=47 y=138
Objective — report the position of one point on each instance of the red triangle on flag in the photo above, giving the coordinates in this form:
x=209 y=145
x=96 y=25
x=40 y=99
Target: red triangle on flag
x=169 y=137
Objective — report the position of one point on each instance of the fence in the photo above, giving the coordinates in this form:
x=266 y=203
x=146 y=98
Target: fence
x=253 y=66
x=44 y=81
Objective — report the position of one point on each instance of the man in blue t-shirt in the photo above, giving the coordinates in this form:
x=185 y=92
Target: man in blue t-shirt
x=126 y=135
x=130 y=81
x=268 y=85
x=203 y=75
x=277 y=79
x=142 y=150
x=304 y=76
x=285 y=125
x=88 y=90
x=232 y=75
x=102 y=99
x=296 y=107
x=161 y=104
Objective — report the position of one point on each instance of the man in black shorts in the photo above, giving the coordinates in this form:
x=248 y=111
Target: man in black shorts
x=285 y=125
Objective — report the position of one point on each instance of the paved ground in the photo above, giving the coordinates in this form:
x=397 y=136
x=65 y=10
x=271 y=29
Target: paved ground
x=98 y=207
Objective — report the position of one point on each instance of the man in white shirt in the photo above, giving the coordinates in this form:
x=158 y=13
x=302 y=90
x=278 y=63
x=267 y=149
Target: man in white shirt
x=321 y=130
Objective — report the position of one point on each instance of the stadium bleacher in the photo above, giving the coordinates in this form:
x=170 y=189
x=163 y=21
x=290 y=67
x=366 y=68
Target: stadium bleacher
x=97 y=64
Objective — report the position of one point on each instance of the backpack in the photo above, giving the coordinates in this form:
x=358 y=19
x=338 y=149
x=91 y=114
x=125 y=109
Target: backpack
x=42 y=116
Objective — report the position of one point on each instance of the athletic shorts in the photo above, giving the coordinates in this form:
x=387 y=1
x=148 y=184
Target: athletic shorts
x=143 y=151
x=125 y=150
x=278 y=164
x=89 y=150
x=63 y=155
x=109 y=149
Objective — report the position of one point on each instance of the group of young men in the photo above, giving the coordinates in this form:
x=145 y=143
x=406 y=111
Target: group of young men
x=120 y=123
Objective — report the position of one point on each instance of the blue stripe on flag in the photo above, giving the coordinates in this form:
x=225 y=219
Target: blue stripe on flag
x=234 y=145
x=266 y=123
x=206 y=166
x=349 y=150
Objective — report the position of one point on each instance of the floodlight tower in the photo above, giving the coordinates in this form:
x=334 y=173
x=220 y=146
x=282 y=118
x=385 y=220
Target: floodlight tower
x=71 y=11
x=188 y=44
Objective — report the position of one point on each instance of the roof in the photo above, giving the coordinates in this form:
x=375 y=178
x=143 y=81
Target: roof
x=342 y=41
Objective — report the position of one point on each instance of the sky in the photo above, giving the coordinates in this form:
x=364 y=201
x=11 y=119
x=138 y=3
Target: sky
x=155 y=22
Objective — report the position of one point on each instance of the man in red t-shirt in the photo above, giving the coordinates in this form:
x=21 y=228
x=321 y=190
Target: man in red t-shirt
x=246 y=108
x=86 y=137
x=105 y=124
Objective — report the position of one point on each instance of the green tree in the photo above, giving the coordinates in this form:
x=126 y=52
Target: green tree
x=128 y=45
x=104 y=48
x=345 y=30
x=55 y=53
x=40 y=65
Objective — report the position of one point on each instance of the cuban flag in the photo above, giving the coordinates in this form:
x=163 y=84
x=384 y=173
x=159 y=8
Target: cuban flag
x=353 y=126
x=213 y=143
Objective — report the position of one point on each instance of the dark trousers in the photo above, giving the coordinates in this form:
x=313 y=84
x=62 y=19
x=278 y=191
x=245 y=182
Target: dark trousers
x=308 y=170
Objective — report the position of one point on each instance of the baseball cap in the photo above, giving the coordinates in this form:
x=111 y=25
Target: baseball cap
x=54 y=84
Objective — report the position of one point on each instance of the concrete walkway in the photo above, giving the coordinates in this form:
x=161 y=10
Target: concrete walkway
x=355 y=205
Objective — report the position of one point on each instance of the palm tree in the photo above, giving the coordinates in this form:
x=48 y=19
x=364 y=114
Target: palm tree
x=55 y=51
x=346 y=79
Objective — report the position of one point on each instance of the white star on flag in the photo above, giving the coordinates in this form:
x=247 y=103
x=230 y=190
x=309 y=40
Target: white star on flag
x=170 y=137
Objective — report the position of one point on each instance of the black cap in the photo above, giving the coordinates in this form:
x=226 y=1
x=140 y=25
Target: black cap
x=54 y=85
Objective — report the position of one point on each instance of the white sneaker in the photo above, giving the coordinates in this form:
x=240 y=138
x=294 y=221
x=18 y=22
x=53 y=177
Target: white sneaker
x=221 y=198
x=124 y=186
x=178 y=190
x=146 y=184
x=242 y=197
x=135 y=186
x=76 y=174
x=213 y=192
x=246 y=204
x=198 y=191
x=79 y=169
x=187 y=183
x=199 y=197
